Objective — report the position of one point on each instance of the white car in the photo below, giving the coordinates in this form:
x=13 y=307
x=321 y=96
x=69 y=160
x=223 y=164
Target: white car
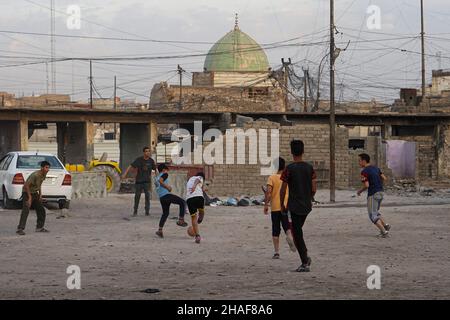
x=16 y=167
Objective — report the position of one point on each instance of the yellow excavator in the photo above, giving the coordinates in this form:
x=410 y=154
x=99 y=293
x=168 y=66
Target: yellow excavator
x=110 y=167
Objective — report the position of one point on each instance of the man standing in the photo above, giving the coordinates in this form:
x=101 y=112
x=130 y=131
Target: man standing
x=32 y=196
x=301 y=179
x=144 y=166
x=373 y=178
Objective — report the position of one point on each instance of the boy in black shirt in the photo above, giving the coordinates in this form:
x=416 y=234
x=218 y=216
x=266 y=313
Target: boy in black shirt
x=301 y=179
x=144 y=166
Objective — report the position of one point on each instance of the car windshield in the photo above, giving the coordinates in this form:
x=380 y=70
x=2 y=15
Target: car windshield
x=34 y=162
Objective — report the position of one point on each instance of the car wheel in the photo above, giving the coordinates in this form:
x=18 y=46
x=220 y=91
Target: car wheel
x=65 y=204
x=7 y=202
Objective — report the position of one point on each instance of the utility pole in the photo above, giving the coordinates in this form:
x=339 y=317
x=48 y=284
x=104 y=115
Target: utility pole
x=90 y=83
x=305 y=89
x=286 y=65
x=180 y=73
x=46 y=75
x=115 y=93
x=332 y=110
x=115 y=106
x=423 y=52
x=52 y=45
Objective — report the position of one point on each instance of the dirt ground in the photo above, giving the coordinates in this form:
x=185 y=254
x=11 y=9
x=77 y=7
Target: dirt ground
x=119 y=256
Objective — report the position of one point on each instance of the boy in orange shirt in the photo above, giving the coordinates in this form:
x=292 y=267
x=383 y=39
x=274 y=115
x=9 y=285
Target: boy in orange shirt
x=272 y=197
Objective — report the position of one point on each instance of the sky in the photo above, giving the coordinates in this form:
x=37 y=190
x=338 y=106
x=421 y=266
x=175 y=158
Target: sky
x=376 y=63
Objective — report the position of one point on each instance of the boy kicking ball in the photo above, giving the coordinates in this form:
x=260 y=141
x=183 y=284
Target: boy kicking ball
x=373 y=178
x=196 y=202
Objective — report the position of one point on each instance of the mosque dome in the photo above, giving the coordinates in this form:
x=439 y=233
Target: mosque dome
x=236 y=52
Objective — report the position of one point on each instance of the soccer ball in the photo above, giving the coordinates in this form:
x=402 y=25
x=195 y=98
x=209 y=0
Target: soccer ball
x=190 y=231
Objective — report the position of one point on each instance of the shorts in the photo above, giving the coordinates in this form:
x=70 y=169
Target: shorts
x=277 y=219
x=373 y=206
x=194 y=204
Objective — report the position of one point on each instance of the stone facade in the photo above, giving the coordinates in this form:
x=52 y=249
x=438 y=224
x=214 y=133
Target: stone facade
x=223 y=99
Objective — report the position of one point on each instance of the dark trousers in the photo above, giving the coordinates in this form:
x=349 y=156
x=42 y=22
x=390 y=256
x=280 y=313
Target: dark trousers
x=139 y=187
x=166 y=201
x=37 y=205
x=297 y=224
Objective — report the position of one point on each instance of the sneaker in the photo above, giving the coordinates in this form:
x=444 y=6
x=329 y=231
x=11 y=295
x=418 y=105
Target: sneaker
x=303 y=268
x=159 y=233
x=197 y=239
x=387 y=227
x=182 y=223
x=384 y=235
x=291 y=244
x=276 y=256
x=42 y=230
x=20 y=232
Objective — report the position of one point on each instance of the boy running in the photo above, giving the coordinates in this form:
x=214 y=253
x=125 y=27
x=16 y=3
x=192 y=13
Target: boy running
x=167 y=198
x=373 y=178
x=301 y=179
x=196 y=202
x=272 y=198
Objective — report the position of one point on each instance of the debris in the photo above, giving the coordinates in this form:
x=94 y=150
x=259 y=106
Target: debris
x=244 y=202
x=232 y=202
x=151 y=290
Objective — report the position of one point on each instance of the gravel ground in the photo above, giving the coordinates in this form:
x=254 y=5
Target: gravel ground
x=119 y=256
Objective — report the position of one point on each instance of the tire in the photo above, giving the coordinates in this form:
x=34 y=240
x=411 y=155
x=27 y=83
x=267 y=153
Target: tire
x=7 y=202
x=65 y=204
x=112 y=176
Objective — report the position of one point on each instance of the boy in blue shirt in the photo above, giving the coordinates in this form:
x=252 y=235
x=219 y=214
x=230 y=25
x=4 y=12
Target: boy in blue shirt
x=167 y=198
x=373 y=178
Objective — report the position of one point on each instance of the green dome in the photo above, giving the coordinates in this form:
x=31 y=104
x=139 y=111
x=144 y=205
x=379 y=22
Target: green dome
x=236 y=51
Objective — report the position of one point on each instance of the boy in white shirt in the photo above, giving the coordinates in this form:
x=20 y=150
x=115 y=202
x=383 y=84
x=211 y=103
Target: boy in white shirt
x=196 y=201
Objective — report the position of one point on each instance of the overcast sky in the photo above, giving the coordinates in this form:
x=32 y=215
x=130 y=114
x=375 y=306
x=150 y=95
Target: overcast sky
x=368 y=69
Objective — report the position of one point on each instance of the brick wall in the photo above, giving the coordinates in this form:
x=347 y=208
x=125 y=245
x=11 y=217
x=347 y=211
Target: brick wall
x=246 y=179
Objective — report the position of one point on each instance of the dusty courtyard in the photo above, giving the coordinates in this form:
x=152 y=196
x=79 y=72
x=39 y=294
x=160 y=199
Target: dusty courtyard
x=119 y=256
